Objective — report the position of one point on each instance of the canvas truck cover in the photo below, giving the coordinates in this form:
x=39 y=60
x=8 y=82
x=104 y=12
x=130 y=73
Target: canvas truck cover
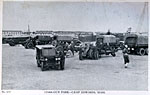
x=64 y=38
x=44 y=38
x=142 y=39
x=108 y=38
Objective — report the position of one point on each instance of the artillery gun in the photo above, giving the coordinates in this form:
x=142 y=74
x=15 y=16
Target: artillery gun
x=105 y=44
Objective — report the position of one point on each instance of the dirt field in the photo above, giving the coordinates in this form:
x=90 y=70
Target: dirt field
x=20 y=72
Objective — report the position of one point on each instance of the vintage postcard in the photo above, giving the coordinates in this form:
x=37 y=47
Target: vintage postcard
x=78 y=47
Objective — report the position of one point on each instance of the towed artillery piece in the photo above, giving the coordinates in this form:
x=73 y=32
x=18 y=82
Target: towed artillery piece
x=105 y=44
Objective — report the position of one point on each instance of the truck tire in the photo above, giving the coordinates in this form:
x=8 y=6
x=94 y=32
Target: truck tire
x=12 y=44
x=113 y=54
x=30 y=45
x=91 y=53
x=142 y=51
x=42 y=66
x=80 y=56
x=96 y=55
x=146 y=51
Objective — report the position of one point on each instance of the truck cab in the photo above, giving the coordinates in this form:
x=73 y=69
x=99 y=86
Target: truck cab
x=137 y=43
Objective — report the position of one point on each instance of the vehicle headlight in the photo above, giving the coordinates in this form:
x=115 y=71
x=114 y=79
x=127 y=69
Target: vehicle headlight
x=128 y=48
x=57 y=58
x=46 y=59
x=132 y=49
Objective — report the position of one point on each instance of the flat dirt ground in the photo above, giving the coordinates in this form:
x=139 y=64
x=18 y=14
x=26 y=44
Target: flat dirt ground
x=20 y=72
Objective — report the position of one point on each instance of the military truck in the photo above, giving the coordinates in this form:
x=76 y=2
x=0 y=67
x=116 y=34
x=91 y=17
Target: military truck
x=14 y=40
x=105 y=44
x=137 y=43
x=50 y=57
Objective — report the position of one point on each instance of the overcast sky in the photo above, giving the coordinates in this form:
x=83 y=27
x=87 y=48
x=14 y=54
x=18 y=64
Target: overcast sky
x=73 y=16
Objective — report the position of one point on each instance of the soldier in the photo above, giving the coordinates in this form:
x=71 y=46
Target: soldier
x=86 y=49
x=125 y=56
x=72 y=47
x=100 y=45
x=55 y=42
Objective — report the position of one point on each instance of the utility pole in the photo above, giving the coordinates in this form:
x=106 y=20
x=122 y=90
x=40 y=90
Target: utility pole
x=28 y=28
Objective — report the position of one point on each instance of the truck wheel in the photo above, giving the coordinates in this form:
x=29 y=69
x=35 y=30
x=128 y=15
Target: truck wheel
x=30 y=45
x=80 y=56
x=42 y=66
x=12 y=44
x=91 y=53
x=96 y=55
x=146 y=51
x=142 y=51
x=113 y=54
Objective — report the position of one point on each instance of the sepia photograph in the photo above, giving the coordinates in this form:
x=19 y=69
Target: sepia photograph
x=75 y=46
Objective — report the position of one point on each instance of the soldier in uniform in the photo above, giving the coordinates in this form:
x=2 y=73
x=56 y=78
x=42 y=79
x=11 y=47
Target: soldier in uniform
x=55 y=42
x=125 y=56
x=99 y=44
x=72 y=47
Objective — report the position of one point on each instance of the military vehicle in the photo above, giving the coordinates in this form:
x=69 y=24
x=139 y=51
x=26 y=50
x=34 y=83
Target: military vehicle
x=105 y=44
x=49 y=56
x=88 y=50
x=137 y=43
x=14 y=40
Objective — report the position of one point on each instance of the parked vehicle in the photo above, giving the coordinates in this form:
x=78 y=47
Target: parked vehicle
x=137 y=43
x=49 y=56
x=14 y=40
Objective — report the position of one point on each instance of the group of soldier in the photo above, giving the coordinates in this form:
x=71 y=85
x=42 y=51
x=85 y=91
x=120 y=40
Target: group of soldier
x=66 y=45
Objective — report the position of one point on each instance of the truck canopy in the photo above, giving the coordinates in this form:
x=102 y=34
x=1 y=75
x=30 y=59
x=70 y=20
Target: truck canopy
x=108 y=38
x=44 y=38
x=142 y=39
x=136 y=39
x=64 y=38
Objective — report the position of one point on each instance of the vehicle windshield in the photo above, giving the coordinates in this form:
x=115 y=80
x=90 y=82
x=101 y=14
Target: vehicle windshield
x=130 y=40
